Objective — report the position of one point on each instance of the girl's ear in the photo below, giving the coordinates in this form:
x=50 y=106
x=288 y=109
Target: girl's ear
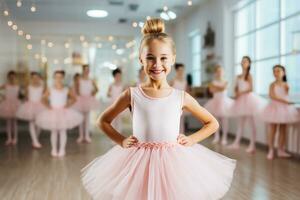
x=140 y=59
x=174 y=59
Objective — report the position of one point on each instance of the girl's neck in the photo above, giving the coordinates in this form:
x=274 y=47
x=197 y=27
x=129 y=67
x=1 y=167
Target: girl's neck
x=58 y=86
x=85 y=77
x=157 y=84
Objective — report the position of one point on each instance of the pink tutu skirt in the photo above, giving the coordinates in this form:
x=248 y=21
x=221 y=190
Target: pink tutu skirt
x=219 y=106
x=280 y=113
x=8 y=108
x=159 y=171
x=248 y=105
x=29 y=110
x=59 y=119
x=86 y=103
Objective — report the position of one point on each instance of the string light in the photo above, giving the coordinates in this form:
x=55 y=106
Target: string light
x=28 y=37
x=134 y=24
x=190 y=3
x=9 y=23
x=165 y=8
x=110 y=38
x=29 y=46
x=20 y=32
x=15 y=27
x=5 y=12
x=50 y=44
x=33 y=8
x=19 y=3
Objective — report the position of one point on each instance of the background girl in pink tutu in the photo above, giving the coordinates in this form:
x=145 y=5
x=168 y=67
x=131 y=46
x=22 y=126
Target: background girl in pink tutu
x=33 y=106
x=59 y=117
x=86 y=102
x=9 y=107
x=220 y=105
x=157 y=162
x=246 y=105
x=279 y=112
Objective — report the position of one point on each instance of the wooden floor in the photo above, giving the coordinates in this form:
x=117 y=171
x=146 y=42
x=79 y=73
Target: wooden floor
x=27 y=174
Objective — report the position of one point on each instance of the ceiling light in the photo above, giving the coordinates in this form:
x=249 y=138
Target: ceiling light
x=28 y=37
x=9 y=23
x=141 y=24
x=134 y=24
x=190 y=3
x=164 y=16
x=5 y=12
x=97 y=13
x=33 y=8
x=19 y=3
x=171 y=14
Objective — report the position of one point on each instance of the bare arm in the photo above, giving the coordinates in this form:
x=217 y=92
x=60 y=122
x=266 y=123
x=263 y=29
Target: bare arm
x=95 y=88
x=251 y=85
x=71 y=98
x=105 y=119
x=273 y=95
x=210 y=123
x=45 y=98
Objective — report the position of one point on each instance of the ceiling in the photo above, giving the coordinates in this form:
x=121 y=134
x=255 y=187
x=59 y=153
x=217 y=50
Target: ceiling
x=75 y=10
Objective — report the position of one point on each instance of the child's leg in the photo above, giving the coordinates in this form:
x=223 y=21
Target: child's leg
x=240 y=130
x=8 y=132
x=251 y=147
x=282 y=142
x=54 y=142
x=33 y=135
x=217 y=135
x=80 y=137
x=14 y=131
x=87 y=127
x=224 y=124
x=271 y=139
x=62 y=142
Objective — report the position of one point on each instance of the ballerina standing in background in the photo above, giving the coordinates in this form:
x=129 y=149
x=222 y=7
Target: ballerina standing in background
x=33 y=106
x=279 y=112
x=141 y=77
x=220 y=104
x=246 y=106
x=9 y=107
x=59 y=117
x=86 y=102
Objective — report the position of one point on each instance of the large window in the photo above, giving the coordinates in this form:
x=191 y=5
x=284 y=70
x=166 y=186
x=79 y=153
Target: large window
x=269 y=32
x=195 y=44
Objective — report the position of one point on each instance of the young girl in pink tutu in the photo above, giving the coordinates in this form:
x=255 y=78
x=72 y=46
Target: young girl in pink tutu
x=156 y=162
x=33 y=106
x=246 y=105
x=86 y=102
x=279 y=112
x=220 y=105
x=9 y=107
x=114 y=91
x=59 y=117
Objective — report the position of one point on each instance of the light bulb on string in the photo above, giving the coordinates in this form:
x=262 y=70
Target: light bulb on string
x=5 y=12
x=165 y=8
x=15 y=27
x=190 y=3
x=19 y=3
x=10 y=23
x=28 y=37
x=29 y=46
x=33 y=8
x=20 y=32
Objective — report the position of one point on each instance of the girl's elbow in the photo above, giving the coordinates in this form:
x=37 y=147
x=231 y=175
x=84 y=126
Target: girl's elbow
x=216 y=124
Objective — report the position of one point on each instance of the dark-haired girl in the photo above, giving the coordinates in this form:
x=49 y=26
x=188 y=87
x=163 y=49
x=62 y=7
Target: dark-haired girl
x=33 y=106
x=246 y=105
x=9 y=107
x=279 y=112
x=59 y=117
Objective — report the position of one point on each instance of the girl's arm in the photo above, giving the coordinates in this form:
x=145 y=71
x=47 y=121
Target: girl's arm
x=71 y=98
x=95 y=88
x=210 y=123
x=109 y=91
x=45 y=98
x=273 y=95
x=215 y=88
x=105 y=119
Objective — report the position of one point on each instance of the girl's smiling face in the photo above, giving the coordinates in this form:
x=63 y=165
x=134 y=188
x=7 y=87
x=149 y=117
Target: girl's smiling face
x=278 y=73
x=157 y=58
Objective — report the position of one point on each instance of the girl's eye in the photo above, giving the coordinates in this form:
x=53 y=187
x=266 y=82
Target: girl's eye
x=164 y=58
x=150 y=58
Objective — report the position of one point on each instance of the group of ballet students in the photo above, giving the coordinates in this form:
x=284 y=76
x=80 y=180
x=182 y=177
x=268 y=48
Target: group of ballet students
x=59 y=108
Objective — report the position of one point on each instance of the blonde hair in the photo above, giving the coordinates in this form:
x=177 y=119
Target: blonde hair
x=154 y=29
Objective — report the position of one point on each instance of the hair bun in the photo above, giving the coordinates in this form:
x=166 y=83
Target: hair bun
x=153 y=26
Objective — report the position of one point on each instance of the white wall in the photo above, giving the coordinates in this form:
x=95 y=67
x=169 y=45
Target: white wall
x=8 y=43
